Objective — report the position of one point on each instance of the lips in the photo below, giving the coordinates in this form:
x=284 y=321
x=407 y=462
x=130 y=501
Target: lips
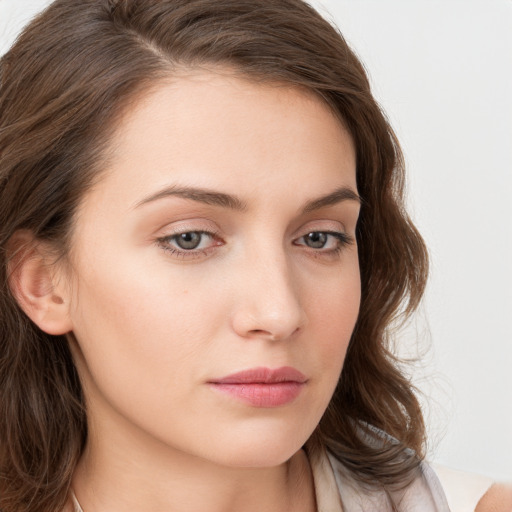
x=262 y=387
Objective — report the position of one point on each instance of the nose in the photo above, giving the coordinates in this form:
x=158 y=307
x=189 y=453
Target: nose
x=268 y=304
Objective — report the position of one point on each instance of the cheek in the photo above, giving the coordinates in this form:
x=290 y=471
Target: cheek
x=132 y=321
x=142 y=337
x=334 y=306
x=333 y=310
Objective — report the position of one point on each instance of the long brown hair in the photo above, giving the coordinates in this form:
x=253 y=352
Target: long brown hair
x=63 y=87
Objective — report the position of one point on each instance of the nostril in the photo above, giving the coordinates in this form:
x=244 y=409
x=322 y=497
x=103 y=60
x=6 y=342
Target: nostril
x=261 y=332
x=271 y=336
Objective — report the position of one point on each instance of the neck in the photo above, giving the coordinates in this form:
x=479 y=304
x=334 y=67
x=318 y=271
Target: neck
x=123 y=471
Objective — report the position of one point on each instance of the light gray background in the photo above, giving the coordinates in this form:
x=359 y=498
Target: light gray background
x=442 y=70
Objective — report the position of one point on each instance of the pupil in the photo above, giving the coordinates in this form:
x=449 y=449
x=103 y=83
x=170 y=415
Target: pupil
x=188 y=240
x=316 y=240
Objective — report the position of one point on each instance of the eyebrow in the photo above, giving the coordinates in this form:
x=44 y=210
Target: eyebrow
x=212 y=197
x=200 y=195
x=338 y=196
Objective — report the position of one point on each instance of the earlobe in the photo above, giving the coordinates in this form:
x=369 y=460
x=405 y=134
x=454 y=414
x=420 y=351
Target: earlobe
x=35 y=284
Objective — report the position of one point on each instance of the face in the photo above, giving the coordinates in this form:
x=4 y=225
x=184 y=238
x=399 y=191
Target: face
x=220 y=240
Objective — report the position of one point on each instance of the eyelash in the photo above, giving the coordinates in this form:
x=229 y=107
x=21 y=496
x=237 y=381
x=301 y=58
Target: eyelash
x=343 y=240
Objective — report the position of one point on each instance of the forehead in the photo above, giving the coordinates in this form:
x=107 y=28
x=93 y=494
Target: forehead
x=224 y=130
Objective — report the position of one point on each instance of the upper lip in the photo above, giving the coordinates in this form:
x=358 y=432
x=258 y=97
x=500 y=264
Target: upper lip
x=263 y=375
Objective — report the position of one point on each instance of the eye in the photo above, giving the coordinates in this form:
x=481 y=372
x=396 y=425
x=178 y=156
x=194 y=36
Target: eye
x=327 y=241
x=189 y=243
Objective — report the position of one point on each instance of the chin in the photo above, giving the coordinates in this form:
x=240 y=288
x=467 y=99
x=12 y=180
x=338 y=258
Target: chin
x=256 y=458
x=259 y=449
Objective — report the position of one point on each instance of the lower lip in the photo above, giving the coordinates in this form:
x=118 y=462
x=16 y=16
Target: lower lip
x=262 y=395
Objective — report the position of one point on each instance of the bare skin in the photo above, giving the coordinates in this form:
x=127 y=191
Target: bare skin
x=497 y=499
x=299 y=484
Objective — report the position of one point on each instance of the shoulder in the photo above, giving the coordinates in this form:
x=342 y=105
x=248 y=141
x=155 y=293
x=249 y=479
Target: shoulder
x=497 y=499
x=423 y=494
x=468 y=491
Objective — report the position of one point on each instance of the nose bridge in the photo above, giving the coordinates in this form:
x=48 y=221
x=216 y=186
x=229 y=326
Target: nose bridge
x=269 y=303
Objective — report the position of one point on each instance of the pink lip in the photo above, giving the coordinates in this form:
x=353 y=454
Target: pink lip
x=263 y=387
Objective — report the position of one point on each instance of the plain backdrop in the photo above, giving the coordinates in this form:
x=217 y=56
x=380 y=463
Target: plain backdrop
x=442 y=71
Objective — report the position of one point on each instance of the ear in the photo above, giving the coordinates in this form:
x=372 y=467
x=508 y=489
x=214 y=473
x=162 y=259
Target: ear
x=37 y=284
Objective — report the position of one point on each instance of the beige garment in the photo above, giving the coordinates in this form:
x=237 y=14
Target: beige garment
x=463 y=490
x=337 y=491
x=76 y=505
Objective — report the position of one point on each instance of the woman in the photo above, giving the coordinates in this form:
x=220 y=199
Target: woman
x=182 y=329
